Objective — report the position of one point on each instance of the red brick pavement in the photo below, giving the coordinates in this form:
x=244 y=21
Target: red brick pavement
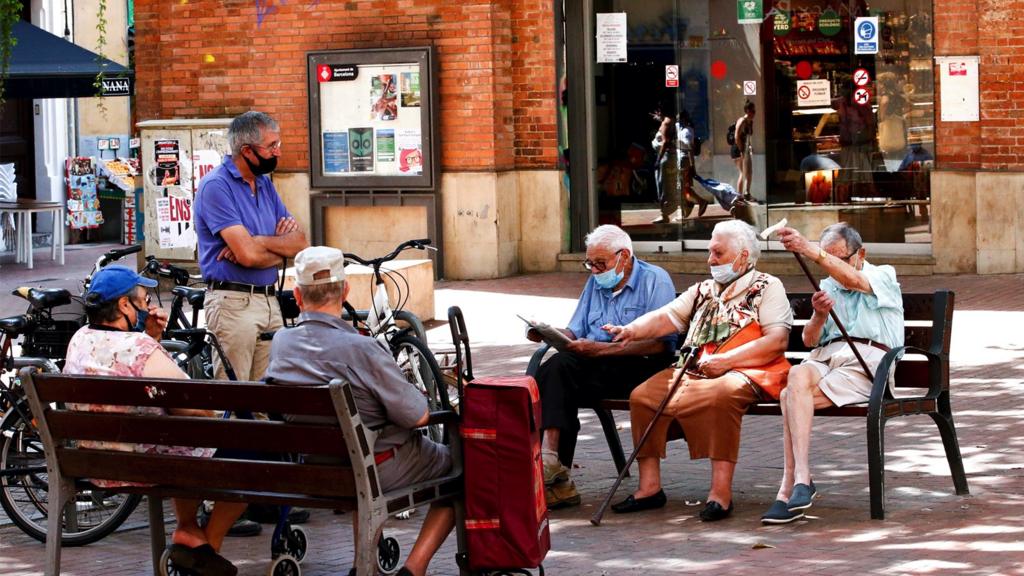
x=928 y=529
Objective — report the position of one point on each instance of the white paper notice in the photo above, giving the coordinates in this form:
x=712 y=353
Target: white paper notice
x=958 y=78
x=174 y=221
x=611 y=37
x=813 y=93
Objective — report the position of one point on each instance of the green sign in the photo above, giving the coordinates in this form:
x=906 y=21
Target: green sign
x=749 y=11
x=781 y=23
x=829 y=23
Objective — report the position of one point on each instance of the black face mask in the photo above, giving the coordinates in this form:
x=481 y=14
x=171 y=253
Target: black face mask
x=265 y=166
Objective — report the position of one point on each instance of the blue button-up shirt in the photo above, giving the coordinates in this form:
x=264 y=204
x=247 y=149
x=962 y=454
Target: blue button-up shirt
x=225 y=199
x=877 y=316
x=648 y=288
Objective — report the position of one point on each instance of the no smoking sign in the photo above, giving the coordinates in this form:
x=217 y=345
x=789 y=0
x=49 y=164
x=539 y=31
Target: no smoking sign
x=861 y=77
x=671 y=76
x=862 y=96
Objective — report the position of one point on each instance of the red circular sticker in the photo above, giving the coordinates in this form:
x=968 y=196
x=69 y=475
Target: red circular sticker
x=803 y=70
x=862 y=96
x=719 y=69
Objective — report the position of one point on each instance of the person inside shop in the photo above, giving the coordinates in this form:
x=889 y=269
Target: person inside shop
x=122 y=339
x=666 y=173
x=619 y=289
x=869 y=303
x=244 y=233
x=321 y=348
x=739 y=320
x=742 y=150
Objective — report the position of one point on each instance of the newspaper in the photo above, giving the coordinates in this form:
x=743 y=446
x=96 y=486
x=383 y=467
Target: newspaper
x=550 y=335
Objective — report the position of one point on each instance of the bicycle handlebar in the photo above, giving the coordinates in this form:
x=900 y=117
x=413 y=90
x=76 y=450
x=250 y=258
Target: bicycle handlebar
x=118 y=253
x=179 y=275
x=421 y=244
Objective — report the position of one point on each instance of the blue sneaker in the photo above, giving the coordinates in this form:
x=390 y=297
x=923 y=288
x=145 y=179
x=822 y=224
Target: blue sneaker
x=801 y=497
x=779 y=513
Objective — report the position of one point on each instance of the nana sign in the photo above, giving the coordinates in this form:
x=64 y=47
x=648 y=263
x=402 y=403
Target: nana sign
x=116 y=86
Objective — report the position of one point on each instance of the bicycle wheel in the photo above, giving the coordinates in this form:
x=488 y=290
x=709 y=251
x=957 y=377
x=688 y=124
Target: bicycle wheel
x=23 y=494
x=419 y=366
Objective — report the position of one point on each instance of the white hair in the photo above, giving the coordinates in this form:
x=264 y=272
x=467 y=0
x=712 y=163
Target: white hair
x=247 y=128
x=611 y=237
x=741 y=235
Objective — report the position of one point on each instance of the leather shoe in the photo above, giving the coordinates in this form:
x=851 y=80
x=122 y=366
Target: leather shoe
x=632 y=504
x=713 y=512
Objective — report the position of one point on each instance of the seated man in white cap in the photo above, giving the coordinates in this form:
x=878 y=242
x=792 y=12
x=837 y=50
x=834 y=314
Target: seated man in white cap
x=322 y=347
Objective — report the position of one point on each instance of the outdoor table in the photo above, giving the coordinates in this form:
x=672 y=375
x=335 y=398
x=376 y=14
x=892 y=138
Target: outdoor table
x=23 y=210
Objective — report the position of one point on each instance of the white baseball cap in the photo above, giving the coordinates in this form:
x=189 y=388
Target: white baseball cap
x=317 y=259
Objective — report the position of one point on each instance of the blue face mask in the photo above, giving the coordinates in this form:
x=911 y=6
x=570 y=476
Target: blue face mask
x=610 y=278
x=140 y=318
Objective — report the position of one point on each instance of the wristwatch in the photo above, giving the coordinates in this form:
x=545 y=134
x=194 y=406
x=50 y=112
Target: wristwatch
x=822 y=255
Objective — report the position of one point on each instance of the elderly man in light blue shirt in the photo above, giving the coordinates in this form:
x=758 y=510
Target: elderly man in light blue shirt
x=621 y=288
x=869 y=303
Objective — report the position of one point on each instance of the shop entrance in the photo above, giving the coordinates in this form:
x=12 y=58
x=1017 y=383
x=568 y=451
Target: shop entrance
x=833 y=135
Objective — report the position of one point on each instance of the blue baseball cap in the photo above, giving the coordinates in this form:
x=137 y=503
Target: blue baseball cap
x=116 y=281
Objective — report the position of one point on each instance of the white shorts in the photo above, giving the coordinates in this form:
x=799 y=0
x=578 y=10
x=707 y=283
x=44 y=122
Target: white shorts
x=843 y=379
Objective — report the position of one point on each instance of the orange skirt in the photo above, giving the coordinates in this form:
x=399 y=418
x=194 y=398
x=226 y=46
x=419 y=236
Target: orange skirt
x=709 y=410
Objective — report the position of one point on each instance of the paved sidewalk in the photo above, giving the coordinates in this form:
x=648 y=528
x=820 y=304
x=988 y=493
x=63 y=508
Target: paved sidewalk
x=928 y=529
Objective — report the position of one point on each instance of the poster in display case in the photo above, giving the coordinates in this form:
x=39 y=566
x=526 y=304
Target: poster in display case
x=372 y=124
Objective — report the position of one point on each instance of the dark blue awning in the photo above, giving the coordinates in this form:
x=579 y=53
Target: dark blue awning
x=47 y=66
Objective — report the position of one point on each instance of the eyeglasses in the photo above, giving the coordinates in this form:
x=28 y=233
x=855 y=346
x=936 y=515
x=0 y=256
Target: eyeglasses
x=275 y=147
x=599 y=265
x=847 y=258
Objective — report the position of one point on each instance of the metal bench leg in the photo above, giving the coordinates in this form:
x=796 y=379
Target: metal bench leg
x=368 y=531
x=944 y=420
x=611 y=435
x=157 y=531
x=876 y=465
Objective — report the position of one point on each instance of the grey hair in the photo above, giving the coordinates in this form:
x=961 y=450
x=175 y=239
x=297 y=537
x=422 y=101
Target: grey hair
x=318 y=295
x=247 y=128
x=842 y=231
x=742 y=237
x=609 y=236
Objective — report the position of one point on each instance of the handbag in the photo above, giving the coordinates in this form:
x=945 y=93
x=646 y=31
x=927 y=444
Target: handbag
x=770 y=377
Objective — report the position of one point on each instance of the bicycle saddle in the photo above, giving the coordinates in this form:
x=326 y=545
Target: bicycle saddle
x=16 y=325
x=41 y=298
x=195 y=296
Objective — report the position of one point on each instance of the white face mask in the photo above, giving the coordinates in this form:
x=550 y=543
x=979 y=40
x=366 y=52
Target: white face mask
x=723 y=273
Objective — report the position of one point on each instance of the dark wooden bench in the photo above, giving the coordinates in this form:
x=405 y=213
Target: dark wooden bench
x=346 y=481
x=924 y=368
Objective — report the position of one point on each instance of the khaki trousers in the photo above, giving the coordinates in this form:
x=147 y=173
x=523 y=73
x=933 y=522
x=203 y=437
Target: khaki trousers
x=709 y=411
x=237 y=319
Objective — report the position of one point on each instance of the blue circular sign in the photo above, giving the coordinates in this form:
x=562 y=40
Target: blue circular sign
x=866 y=30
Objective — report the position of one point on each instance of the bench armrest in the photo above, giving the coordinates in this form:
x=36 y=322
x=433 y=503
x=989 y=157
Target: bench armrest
x=535 y=361
x=938 y=373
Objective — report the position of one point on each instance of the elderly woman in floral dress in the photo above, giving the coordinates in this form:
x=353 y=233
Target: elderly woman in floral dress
x=121 y=340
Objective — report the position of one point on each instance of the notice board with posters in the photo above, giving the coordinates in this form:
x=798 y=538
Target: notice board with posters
x=372 y=119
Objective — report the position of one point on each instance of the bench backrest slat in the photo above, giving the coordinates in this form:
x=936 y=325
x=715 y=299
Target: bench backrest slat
x=252 y=435
x=194 y=394
x=209 y=473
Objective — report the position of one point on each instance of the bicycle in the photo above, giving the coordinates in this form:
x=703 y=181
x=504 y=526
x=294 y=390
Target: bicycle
x=45 y=329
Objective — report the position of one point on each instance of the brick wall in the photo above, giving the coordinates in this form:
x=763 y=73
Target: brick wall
x=993 y=30
x=217 y=58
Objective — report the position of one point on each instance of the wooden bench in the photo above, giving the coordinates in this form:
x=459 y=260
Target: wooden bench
x=350 y=483
x=925 y=368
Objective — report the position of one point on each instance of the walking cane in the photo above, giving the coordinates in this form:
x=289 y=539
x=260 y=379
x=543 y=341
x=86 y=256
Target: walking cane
x=832 y=313
x=684 y=366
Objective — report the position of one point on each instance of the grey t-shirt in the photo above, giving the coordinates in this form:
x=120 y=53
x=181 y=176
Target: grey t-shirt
x=323 y=347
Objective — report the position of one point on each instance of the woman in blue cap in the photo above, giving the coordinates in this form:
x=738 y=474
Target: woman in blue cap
x=121 y=339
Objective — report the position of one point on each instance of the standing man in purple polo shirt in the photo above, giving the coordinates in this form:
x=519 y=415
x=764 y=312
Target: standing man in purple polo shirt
x=244 y=233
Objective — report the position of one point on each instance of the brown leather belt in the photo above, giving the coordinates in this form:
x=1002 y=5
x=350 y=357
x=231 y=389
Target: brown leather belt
x=871 y=343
